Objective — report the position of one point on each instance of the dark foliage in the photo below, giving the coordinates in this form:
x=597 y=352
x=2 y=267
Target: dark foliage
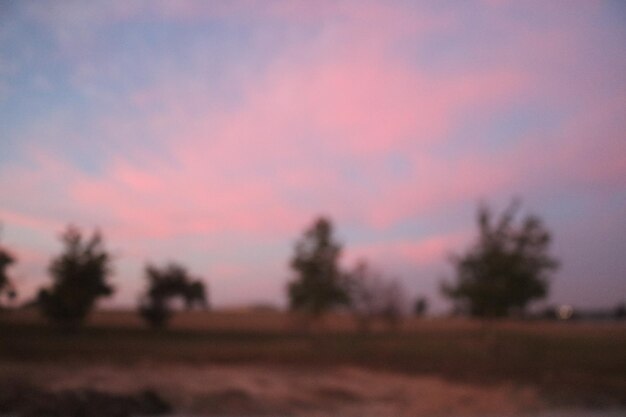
x=420 y=307
x=7 y=290
x=364 y=289
x=374 y=296
x=165 y=284
x=506 y=268
x=79 y=277
x=392 y=303
x=319 y=284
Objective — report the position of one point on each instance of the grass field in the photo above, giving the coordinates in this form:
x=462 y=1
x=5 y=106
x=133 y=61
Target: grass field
x=570 y=363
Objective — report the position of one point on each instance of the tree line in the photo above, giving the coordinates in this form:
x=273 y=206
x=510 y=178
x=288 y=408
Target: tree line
x=507 y=266
x=80 y=277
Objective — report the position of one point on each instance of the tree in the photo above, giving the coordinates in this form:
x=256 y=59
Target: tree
x=620 y=311
x=364 y=288
x=393 y=303
x=374 y=296
x=318 y=284
x=507 y=267
x=420 y=307
x=7 y=290
x=79 y=277
x=164 y=284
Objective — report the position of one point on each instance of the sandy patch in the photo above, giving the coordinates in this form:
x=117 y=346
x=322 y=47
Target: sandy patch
x=265 y=390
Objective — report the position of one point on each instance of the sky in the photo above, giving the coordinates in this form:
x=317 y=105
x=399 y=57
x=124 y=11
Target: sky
x=214 y=133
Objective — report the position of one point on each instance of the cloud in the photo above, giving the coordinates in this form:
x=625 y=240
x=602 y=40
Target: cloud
x=217 y=126
x=415 y=253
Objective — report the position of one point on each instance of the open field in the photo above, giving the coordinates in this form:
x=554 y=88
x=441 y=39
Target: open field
x=577 y=364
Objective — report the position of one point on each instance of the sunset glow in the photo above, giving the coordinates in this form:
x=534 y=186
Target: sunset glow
x=212 y=133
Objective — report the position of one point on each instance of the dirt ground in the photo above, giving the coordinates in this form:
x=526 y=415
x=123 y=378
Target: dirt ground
x=248 y=364
x=271 y=390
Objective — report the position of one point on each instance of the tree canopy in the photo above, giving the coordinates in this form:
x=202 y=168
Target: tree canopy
x=318 y=284
x=373 y=295
x=7 y=289
x=6 y=286
x=507 y=266
x=420 y=306
x=171 y=281
x=79 y=277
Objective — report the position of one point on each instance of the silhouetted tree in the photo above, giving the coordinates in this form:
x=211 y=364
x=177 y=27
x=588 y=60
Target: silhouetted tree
x=393 y=303
x=319 y=284
x=7 y=290
x=364 y=289
x=195 y=295
x=155 y=311
x=420 y=307
x=620 y=311
x=165 y=284
x=506 y=268
x=79 y=277
x=373 y=296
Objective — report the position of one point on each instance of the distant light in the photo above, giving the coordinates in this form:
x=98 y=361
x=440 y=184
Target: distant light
x=565 y=312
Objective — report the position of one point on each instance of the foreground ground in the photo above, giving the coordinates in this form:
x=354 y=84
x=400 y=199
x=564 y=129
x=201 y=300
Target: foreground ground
x=263 y=363
x=277 y=390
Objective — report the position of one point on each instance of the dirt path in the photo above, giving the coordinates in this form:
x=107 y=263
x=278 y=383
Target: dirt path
x=265 y=390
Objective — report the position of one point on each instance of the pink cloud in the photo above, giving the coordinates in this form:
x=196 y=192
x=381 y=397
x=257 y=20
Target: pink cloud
x=415 y=253
x=357 y=105
x=27 y=221
x=314 y=128
x=160 y=201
